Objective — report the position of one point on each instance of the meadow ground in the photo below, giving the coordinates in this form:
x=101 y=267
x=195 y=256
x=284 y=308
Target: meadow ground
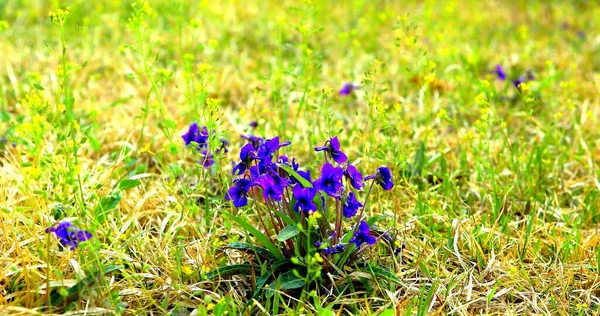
x=485 y=112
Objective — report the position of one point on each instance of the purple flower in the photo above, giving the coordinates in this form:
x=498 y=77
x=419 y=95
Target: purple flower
x=500 y=72
x=253 y=124
x=383 y=177
x=269 y=147
x=348 y=88
x=197 y=135
x=208 y=159
x=517 y=83
x=332 y=147
x=246 y=157
x=355 y=177
x=69 y=235
x=331 y=180
x=304 y=199
x=223 y=148
x=351 y=206
x=256 y=141
x=363 y=235
x=270 y=189
x=339 y=248
x=303 y=174
x=239 y=193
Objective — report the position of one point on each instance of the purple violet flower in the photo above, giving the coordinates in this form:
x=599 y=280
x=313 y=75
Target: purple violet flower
x=239 y=192
x=363 y=235
x=355 y=177
x=331 y=180
x=246 y=157
x=197 y=135
x=383 y=177
x=256 y=141
x=499 y=71
x=270 y=189
x=351 y=206
x=69 y=235
x=304 y=199
x=332 y=147
x=208 y=159
x=348 y=88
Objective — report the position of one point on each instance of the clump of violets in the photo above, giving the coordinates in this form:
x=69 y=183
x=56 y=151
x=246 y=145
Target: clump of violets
x=200 y=137
x=69 y=235
x=285 y=191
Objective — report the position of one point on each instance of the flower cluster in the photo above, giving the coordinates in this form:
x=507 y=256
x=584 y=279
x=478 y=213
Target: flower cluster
x=68 y=234
x=200 y=137
x=288 y=189
x=501 y=74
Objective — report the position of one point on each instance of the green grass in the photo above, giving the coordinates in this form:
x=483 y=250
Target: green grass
x=497 y=189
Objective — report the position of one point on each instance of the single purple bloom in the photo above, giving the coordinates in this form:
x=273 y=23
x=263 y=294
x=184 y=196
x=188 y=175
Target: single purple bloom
x=339 y=248
x=270 y=189
x=256 y=141
x=500 y=72
x=331 y=180
x=239 y=192
x=246 y=157
x=383 y=177
x=270 y=146
x=208 y=159
x=197 y=135
x=351 y=206
x=318 y=244
x=280 y=181
x=348 y=88
x=581 y=34
x=253 y=124
x=332 y=147
x=363 y=235
x=69 y=235
x=517 y=83
x=355 y=177
x=304 y=199
x=303 y=174
x=224 y=145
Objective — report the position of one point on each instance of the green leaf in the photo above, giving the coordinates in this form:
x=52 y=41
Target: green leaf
x=289 y=281
x=107 y=204
x=38 y=86
x=127 y=184
x=388 y=312
x=305 y=183
x=250 y=249
x=383 y=273
x=63 y=298
x=288 y=232
x=419 y=162
x=231 y=270
x=264 y=240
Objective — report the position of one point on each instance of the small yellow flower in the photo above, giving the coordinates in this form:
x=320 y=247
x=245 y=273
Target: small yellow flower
x=187 y=270
x=318 y=257
x=481 y=99
x=315 y=215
